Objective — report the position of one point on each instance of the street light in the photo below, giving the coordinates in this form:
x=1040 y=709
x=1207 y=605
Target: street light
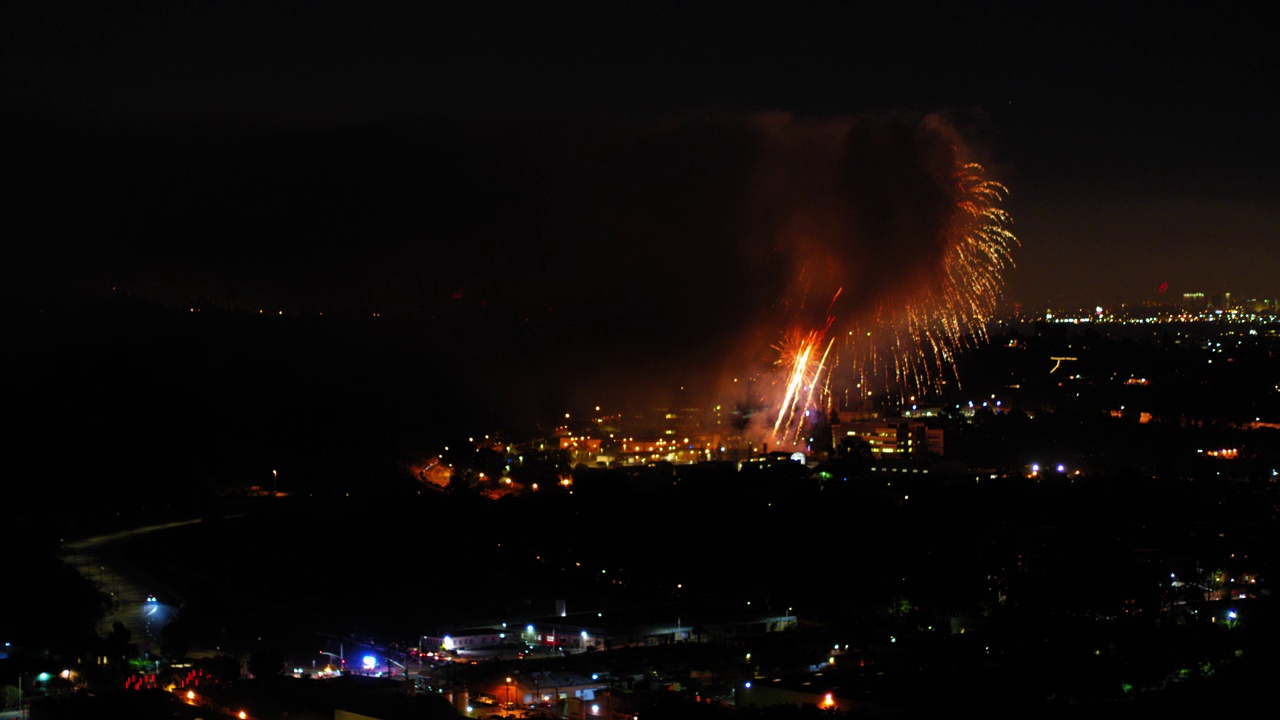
x=508 y=706
x=342 y=663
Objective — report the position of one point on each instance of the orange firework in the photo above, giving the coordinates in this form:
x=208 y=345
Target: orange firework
x=911 y=341
x=804 y=366
x=908 y=339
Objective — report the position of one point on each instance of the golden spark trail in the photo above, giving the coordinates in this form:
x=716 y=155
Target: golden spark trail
x=949 y=309
x=910 y=343
x=804 y=374
x=808 y=401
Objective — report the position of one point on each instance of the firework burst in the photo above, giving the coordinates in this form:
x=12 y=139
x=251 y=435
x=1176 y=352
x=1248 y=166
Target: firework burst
x=802 y=357
x=907 y=341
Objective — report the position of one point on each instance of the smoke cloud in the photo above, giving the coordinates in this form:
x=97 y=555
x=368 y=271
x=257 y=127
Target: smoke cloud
x=587 y=260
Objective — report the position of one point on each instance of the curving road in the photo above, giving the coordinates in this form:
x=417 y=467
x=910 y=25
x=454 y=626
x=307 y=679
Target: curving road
x=129 y=589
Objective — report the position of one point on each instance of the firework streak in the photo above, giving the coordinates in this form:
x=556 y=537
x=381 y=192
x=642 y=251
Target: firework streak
x=908 y=343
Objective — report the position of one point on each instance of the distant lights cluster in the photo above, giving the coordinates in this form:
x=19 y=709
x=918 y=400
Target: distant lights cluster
x=1130 y=317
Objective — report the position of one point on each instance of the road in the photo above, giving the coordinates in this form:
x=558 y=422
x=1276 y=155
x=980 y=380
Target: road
x=144 y=619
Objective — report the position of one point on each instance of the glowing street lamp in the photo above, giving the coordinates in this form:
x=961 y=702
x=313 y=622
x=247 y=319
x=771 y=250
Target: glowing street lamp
x=342 y=661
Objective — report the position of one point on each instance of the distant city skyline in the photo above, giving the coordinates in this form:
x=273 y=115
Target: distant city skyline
x=1190 y=299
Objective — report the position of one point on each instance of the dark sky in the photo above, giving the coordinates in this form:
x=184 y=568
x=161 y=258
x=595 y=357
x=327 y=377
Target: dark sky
x=619 y=171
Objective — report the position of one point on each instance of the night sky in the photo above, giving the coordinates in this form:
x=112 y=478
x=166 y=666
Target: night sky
x=626 y=178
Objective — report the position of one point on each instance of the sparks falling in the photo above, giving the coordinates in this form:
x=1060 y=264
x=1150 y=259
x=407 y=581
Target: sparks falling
x=804 y=367
x=910 y=344
x=906 y=342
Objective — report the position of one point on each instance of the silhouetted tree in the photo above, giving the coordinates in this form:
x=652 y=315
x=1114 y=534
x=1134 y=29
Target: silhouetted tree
x=463 y=481
x=118 y=639
x=175 y=640
x=820 y=435
x=852 y=447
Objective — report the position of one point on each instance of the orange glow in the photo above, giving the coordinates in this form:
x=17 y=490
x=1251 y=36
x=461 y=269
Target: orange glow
x=804 y=371
x=909 y=342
